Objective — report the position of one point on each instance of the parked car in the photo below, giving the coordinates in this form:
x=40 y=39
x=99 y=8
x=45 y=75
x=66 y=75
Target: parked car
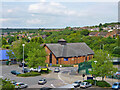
x=42 y=81
x=21 y=85
x=21 y=64
x=116 y=85
x=76 y=83
x=26 y=70
x=34 y=69
x=57 y=70
x=13 y=82
x=15 y=72
x=85 y=85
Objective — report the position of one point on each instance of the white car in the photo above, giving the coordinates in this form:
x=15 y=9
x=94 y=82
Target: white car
x=21 y=85
x=76 y=83
x=34 y=69
x=42 y=81
x=85 y=85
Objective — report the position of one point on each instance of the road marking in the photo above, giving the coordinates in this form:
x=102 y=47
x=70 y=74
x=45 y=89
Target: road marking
x=61 y=78
x=52 y=85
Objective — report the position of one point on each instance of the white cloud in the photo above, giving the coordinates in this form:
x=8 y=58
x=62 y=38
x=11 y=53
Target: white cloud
x=9 y=10
x=52 y=8
x=4 y=19
x=35 y=21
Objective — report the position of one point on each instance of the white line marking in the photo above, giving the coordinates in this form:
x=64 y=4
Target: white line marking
x=52 y=85
x=61 y=78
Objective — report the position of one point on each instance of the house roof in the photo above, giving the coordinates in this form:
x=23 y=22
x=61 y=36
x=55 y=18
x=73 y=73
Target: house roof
x=70 y=49
x=3 y=55
x=102 y=33
x=93 y=33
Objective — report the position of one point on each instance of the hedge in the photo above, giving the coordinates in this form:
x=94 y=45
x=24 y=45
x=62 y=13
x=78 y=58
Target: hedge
x=98 y=83
x=29 y=74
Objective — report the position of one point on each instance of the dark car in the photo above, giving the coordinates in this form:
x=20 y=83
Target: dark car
x=42 y=81
x=26 y=70
x=15 y=72
x=21 y=64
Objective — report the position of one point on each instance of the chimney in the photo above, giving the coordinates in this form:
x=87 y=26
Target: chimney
x=62 y=42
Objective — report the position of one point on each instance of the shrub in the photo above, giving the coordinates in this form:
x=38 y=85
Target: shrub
x=102 y=84
x=29 y=74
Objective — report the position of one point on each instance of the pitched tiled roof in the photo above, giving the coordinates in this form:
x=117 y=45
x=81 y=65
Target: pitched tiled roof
x=70 y=49
x=93 y=33
x=102 y=33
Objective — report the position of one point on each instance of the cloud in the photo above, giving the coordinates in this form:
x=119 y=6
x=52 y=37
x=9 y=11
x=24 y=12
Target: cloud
x=35 y=21
x=53 y=8
x=9 y=10
x=4 y=19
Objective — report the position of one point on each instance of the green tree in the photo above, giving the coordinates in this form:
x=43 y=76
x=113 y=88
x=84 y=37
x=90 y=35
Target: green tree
x=84 y=32
x=4 y=41
x=116 y=51
x=36 y=55
x=37 y=40
x=103 y=67
x=17 y=48
x=10 y=54
x=6 y=85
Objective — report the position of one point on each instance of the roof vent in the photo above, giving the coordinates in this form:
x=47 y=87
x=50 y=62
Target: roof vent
x=62 y=41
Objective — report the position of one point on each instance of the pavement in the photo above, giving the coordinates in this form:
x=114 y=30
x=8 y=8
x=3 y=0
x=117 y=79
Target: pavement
x=54 y=80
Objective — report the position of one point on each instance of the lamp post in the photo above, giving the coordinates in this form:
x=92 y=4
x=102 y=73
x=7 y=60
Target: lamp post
x=95 y=76
x=23 y=57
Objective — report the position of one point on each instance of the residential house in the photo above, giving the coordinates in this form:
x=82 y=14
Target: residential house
x=114 y=33
x=93 y=33
x=103 y=34
x=67 y=53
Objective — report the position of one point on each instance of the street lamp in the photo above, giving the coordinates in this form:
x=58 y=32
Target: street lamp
x=95 y=76
x=23 y=57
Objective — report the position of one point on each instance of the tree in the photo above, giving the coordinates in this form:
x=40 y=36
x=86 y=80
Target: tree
x=6 y=85
x=116 y=51
x=37 y=40
x=103 y=67
x=4 y=41
x=84 y=32
x=36 y=55
x=17 y=48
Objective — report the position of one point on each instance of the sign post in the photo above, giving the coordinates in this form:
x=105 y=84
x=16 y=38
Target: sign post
x=83 y=76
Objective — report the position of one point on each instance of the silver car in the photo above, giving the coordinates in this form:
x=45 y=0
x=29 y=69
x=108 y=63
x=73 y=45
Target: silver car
x=20 y=85
x=85 y=85
x=42 y=81
x=76 y=83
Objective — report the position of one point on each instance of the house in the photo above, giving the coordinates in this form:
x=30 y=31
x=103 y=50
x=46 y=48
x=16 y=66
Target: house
x=67 y=53
x=4 y=58
x=93 y=33
x=114 y=33
x=103 y=34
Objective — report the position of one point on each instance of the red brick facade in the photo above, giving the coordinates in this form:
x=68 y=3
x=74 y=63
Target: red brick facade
x=71 y=60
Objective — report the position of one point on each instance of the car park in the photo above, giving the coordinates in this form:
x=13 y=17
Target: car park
x=76 y=83
x=21 y=85
x=42 y=81
x=116 y=85
x=25 y=70
x=85 y=85
x=15 y=72
x=57 y=70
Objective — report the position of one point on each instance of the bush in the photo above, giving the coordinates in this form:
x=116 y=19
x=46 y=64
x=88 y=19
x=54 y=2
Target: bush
x=102 y=84
x=30 y=74
x=45 y=72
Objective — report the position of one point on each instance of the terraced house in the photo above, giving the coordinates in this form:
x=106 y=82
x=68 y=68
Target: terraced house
x=67 y=53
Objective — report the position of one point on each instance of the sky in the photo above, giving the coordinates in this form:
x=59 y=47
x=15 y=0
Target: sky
x=43 y=14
